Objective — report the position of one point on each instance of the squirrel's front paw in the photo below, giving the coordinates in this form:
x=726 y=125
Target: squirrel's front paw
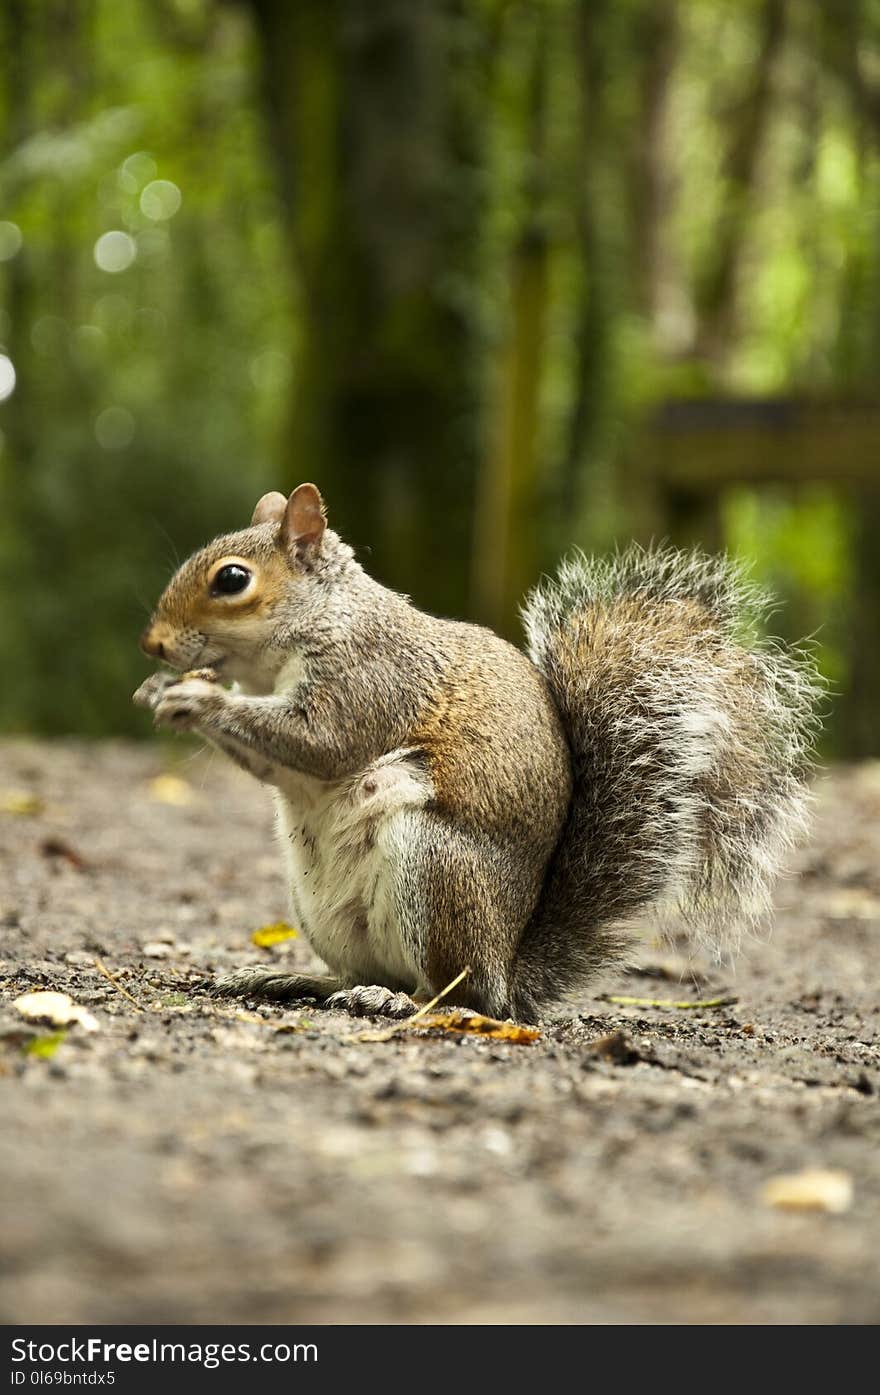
x=187 y=703
x=149 y=694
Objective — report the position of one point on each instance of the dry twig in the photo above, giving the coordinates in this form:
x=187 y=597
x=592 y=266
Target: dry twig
x=102 y=969
x=681 y=1005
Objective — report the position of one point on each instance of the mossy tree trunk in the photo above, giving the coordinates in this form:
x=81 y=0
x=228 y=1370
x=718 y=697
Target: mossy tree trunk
x=717 y=298
x=507 y=545
x=368 y=114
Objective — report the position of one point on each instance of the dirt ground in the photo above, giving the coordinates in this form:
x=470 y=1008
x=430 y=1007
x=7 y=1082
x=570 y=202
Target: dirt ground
x=196 y=1161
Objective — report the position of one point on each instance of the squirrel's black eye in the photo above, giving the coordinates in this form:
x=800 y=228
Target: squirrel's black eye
x=230 y=580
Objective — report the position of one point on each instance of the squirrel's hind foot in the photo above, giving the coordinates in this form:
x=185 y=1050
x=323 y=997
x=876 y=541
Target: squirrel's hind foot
x=269 y=985
x=372 y=1000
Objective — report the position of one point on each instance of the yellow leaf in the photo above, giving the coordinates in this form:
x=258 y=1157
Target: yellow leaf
x=21 y=802
x=814 y=1189
x=170 y=789
x=472 y=1022
x=46 y=1046
x=269 y=935
x=851 y=903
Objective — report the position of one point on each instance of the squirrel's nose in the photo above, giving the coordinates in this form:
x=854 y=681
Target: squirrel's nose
x=152 y=646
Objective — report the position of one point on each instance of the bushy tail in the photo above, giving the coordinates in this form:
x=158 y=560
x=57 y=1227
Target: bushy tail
x=691 y=738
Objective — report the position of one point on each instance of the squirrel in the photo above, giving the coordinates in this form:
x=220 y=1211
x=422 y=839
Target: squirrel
x=447 y=802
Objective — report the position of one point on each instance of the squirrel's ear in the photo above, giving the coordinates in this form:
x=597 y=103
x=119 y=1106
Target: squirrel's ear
x=270 y=509
x=305 y=519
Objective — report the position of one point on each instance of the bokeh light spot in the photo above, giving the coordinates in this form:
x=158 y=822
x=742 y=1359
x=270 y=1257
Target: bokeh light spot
x=160 y=200
x=270 y=371
x=114 y=428
x=10 y=241
x=126 y=182
x=115 y=251
x=141 y=166
x=7 y=377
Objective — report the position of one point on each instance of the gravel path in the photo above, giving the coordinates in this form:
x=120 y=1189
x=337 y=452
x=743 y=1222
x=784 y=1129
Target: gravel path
x=191 y=1161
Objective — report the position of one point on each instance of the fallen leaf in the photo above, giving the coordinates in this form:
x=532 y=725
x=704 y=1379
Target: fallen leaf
x=850 y=903
x=21 y=802
x=170 y=789
x=269 y=935
x=46 y=1046
x=814 y=1189
x=473 y=1023
x=57 y=1008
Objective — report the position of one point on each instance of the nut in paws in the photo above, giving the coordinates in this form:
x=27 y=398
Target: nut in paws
x=187 y=703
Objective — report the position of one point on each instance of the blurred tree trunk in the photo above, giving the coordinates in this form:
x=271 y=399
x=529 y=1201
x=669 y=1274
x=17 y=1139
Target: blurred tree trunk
x=594 y=191
x=859 y=724
x=508 y=538
x=717 y=293
x=847 y=38
x=657 y=48
x=372 y=128
x=686 y=517
x=845 y=42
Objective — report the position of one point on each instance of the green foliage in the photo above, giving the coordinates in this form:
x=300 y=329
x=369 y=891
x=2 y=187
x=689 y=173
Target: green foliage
x=798 y=547
x=148 y=398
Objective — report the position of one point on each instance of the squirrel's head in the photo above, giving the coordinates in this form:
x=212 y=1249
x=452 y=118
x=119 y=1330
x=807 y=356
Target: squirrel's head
x=232 y=605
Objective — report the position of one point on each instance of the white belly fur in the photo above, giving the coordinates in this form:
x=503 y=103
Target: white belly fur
x=341 y=841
